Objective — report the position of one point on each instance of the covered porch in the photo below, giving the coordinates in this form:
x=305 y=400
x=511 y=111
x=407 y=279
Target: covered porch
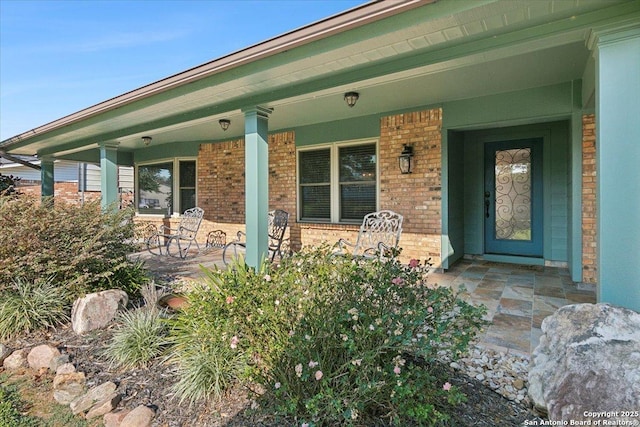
x=277 y=126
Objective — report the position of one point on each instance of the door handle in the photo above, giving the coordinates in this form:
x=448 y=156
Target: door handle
x=487 y=202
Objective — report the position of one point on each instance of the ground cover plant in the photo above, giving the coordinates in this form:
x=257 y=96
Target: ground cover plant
x=60 y=251
x=332 y=340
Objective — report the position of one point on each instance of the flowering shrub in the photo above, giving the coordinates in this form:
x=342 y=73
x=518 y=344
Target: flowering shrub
x=366 y=347
x=333 y=340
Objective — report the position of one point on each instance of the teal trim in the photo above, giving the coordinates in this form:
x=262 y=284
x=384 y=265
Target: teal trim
x=452 y=197
x=256 y=184
x=575 y=197
x=520 y=107
x=165 y=151
x=109 y=175
x=555 y=176
x=340 y=130
x=617 y=153
x=47 y=180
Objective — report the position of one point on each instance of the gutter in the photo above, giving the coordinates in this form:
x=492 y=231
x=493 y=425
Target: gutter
x=345 y=21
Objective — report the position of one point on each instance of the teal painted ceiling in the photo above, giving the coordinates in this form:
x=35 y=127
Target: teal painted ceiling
x=434 y=53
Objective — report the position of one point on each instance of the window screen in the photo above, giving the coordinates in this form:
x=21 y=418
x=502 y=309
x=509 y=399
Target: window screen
x=315 y=184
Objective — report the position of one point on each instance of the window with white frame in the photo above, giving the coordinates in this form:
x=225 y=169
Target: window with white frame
x=165 y=185
x=337 y=182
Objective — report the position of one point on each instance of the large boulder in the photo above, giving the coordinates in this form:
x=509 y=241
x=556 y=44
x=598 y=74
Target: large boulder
x=97 y=310
x=587 y=365
x=41 y=356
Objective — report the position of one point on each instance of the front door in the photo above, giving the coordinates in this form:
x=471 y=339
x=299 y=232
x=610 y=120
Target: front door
x=513 y=197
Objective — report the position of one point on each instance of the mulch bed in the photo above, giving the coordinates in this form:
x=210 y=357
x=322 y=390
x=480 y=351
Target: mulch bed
x=152 y=387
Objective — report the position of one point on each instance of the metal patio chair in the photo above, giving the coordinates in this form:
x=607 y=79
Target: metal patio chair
x=379 y=234
x=176 y=242
x=278 y=221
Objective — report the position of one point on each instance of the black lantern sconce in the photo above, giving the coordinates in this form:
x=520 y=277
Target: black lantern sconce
x=351 y=98
x=224 y=124
x=404 y=159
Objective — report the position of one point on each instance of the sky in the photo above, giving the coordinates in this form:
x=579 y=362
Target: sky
x=59 y=57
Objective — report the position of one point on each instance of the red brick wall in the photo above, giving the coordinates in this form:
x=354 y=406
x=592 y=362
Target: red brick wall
x=589 y=237
x=67 y=191
x=221 y=183
x=416 y=196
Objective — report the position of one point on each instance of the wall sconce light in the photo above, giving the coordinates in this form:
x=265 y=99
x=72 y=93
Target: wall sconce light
x=146 y=140
x=404 y=159
x=224 y=124
x=351 y=98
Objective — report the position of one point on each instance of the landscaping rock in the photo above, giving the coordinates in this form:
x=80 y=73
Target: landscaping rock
x=106 y=405
x=96 y=394
x=66 y=368
x=41 y=356
x=58 y=361
x=4 y=352
x=588 y=360
x=67 y=387
x=139 y=417
x=114 y=418
x=97 y=310
x=16 y=360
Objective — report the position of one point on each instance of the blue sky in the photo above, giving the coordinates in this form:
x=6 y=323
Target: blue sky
x=58 y=57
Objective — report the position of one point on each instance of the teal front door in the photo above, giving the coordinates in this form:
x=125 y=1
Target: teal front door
x=513 y=197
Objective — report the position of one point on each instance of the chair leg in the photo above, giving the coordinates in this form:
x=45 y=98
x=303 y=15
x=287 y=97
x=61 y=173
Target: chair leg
x=234 y=251
x=155 y=245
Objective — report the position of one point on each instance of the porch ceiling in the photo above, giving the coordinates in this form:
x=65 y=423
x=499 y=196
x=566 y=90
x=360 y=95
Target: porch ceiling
x=438 y=52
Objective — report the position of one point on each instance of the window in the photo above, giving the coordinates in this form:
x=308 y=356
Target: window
x=187 y=184
x=158 y=190
x=338 y=183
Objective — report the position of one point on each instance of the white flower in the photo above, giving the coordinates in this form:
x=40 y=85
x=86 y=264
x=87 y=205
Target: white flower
x=299 y=370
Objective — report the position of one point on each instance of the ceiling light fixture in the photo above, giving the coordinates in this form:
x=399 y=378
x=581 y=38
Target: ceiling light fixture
x=224 y=124
x=351 y=98
x=146 y=140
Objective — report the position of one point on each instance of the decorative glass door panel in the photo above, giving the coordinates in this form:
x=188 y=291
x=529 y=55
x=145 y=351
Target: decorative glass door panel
x=513 y=197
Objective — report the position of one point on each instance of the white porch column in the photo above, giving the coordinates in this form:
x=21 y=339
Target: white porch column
x=618 y=165
x=256 y=183
x=109 y=174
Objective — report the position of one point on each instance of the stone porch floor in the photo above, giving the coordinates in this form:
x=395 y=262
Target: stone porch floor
x=517 y=297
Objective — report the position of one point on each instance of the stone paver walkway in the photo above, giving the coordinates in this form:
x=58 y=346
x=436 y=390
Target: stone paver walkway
x=518 y=298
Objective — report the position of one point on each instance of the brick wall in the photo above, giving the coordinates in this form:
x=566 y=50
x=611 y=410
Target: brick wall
x=589 y=237
x=67 y=191
x=416 y=196
x=221 y=184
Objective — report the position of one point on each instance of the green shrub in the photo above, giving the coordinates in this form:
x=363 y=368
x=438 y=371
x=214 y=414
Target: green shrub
x=26 y=306
x=82 y=247
x=8 y=185
x=140 y=335
x=368 y=346
x=335 y=341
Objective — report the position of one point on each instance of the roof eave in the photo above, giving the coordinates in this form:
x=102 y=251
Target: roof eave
x=345 y=21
